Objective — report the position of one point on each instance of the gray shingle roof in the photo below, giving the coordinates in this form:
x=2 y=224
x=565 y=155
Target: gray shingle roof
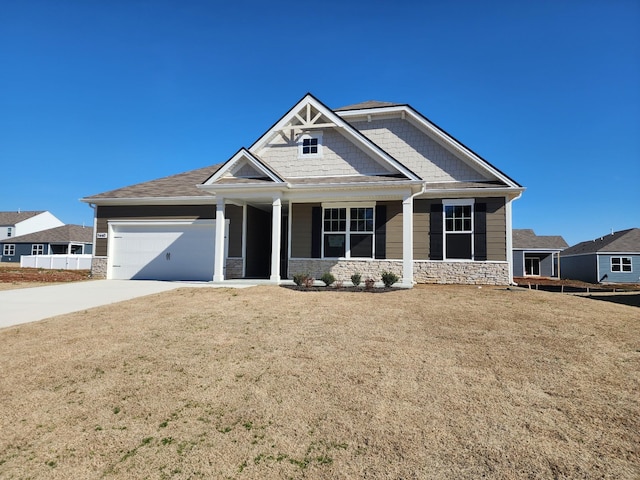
x=368 y=104
x=180 y=185
x=526 y=238
x=624 y=241
x=11 y=218
x=63 y=234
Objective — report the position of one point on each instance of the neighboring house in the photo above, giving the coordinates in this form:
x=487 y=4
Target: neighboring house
x=613 y=258
x=365 y=188
x=14 y=224
x=536 y=254
x=64 y=240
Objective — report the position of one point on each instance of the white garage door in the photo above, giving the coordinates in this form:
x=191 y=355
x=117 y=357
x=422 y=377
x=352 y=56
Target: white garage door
x=162 y=251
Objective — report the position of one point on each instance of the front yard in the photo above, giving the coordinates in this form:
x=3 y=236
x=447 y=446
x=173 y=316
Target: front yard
x=267 y=382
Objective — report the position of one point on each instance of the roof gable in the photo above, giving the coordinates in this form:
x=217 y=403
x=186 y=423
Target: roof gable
x=310 y=116
x=242 y=167
x=453 y=160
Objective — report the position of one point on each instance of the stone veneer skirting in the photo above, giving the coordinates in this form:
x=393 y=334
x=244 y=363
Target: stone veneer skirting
x=424 y=271
x=99 y=267
x=234 y=268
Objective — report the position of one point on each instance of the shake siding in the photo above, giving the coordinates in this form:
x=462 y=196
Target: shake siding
x=421 y=229
x=339 y=157
x=301 y=229
x=496 y=228
x=416 y=150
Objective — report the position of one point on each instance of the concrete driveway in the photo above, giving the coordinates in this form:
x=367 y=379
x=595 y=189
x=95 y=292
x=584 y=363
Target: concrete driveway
x=31 y=304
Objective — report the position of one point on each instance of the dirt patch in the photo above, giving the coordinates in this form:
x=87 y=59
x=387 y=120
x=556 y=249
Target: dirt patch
x=12 y=276
x=435 y=382
x=577 y=284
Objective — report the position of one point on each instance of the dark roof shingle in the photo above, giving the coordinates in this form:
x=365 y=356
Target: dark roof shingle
x=368 y=104
x=526 y=238
x=11 y=218
x=624 y=241
x=180 y=185
x=63 y=234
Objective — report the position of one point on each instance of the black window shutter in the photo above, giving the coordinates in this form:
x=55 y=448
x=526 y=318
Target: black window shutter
x=480 y=232
x=435 y=235
x=381 y=231
x=316 y=232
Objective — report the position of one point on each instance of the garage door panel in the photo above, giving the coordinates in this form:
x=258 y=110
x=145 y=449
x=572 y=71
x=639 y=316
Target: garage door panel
x=163 y=252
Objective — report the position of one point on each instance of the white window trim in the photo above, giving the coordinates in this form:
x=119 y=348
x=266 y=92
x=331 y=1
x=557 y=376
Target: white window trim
x=452 y=202
x=316 y=135
x=621 y=265
x=37 y=246
x=347 y=233
x=7 y=247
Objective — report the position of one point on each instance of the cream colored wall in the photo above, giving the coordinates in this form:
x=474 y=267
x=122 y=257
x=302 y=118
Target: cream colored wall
x=339 y=157
x=416 y=150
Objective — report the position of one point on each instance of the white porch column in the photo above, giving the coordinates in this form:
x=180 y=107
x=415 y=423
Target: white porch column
x=218 y=264
x=509 y=238
x=276 y=233
x=407 y=240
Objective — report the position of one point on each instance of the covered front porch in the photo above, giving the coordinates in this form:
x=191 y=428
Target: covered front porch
x=273 y=238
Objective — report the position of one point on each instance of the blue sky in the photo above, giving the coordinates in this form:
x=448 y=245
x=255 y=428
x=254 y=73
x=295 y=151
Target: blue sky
x=99 y=95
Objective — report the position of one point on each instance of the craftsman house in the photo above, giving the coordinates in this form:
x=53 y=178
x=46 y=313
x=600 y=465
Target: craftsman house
x=365 y=188
x=612 y=258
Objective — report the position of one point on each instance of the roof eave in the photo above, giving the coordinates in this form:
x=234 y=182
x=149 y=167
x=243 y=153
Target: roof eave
x=150 y=200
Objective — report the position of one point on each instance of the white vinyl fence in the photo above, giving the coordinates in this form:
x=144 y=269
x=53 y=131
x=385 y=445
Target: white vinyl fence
x=57 y=262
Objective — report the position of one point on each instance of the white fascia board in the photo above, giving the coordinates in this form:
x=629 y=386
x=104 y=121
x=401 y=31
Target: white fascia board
x=436 y=133
x=619 y=254
x=344 y=127
x=514 y=193
x=356 y=185
x=538 y=250
x=204 y=200
x=372 y=111
x=246 y=155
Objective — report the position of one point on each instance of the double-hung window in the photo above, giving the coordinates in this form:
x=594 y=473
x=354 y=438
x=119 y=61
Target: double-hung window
x=621 y=264
x=37 y=249
x=9 y=250
x=9 y=232
x=348 y=232
x=458 y=229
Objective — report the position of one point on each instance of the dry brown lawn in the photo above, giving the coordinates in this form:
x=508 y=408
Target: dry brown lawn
x=434 y=382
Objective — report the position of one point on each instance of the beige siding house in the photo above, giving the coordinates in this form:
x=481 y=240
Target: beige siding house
x=366 y=188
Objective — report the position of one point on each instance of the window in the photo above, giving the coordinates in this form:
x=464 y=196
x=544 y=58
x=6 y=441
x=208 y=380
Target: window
x=621 y=264
x=458 y=229
x=348 y=232
x=37 y=249
x=9 y=232
x=9 y=250
x=310 y=145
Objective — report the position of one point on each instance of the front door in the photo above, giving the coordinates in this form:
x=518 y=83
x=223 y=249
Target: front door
x=532 y=266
